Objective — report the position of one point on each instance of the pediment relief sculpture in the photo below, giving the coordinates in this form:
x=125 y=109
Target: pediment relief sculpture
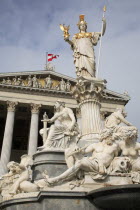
x=34 y=81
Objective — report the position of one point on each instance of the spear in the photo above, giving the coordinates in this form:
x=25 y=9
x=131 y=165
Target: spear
x=104 y=10
x=46 y=61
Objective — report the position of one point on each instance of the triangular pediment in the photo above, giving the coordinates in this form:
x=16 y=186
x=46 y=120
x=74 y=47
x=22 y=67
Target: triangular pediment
x=42 y=81
x=111 y=95
x=57 y=83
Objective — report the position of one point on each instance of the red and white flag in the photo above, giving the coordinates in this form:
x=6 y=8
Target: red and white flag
x=52 y=56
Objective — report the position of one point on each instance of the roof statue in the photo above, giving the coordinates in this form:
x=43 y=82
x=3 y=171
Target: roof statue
x=49 y=67
x=82 y=45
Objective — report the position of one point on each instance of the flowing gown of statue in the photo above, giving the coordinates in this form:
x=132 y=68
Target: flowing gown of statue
x=59 y=134
x=84 y=56
x=57 y=138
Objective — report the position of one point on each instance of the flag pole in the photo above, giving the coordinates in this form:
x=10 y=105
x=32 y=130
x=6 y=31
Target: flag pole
x=46 y=60
x=99 y=55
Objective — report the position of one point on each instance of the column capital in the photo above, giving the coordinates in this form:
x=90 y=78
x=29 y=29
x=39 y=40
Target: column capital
x=88 y=90
x=11 y=105
x=35 y=108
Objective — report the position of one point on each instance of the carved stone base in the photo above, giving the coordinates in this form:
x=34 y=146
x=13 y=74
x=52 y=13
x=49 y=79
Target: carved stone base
x=110 y=180
x=123 y=197
x=52 y=201
x=52 y=161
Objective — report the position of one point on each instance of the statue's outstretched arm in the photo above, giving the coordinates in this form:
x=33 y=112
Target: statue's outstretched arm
x=8 y=174
x=83 y=150
x=69 y=41
x=55 y=117
x=124 y=120
x=90 y=148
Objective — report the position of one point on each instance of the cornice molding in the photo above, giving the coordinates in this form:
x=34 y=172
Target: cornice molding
x=31 y=89
x=39 y=73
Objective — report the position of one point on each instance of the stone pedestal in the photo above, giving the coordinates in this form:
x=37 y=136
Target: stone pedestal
x=52 y=161
x=51 y=201
x=88 y=94
x=123 y=197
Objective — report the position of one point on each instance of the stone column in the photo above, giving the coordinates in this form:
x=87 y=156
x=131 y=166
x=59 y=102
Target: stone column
x=8 y=136
x=33 y=137
x=88 y=94
x=91 y=121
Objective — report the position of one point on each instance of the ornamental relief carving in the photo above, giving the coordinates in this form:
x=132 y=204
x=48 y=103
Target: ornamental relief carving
x=36 y=81
x=88 y=89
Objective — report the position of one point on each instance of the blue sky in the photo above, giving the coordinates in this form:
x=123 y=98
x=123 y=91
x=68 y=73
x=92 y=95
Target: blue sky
x=29 y=28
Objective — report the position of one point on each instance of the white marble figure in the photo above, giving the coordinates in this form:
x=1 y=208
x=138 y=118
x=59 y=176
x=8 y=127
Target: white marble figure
x=62 y=85
x=29 y=81
x=15 y=81
x=68 y=86
x=114 y=123
x=126 y=139
x=3 y=81
x=23 y=84
x=130 y=149
x=39 y=84
x=18 y=179
x=19 y=81
x=129 y=146
x=63 y=128
x=48 y=82
x=35 y=82
x=50 y=67
x=8 y=82
x=82 y=45
x=97 y=165
x=115 y=155
x=114 y=120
